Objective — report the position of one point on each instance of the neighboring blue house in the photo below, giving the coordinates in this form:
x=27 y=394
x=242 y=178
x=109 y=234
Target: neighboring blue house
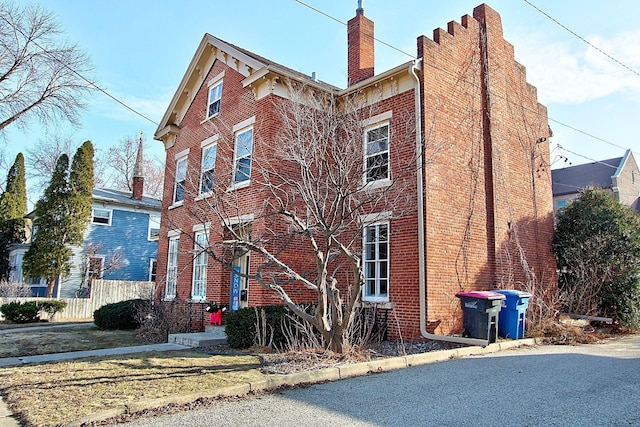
x=121 y=242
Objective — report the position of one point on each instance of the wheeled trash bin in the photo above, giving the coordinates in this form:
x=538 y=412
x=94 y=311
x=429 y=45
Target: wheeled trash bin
x=481 y=311
x=513 y=313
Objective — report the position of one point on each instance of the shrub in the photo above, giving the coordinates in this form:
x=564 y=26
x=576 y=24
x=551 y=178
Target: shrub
x=119 y=315
x=156 y=321
x=240 y=326
x=51 y=307
x=18 y=312
x=597 y=245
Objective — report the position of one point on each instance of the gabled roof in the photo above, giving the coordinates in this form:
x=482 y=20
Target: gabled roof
x=575 y=178
x=110 y=195
x=246 y=63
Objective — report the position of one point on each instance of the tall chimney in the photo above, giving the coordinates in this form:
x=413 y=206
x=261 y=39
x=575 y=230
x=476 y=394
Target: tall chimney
x=360 y=47
x=138 y=176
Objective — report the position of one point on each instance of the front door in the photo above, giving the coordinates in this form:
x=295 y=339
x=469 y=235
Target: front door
x=240 y=282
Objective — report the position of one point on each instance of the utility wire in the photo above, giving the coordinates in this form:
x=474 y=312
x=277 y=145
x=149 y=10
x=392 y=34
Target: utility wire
x=478 y=86
x=582 y=38
x=588 y=158
x=94 y=85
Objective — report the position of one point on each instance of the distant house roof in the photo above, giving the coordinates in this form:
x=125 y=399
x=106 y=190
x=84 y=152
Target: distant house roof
x=110 y=195
x=575 y=178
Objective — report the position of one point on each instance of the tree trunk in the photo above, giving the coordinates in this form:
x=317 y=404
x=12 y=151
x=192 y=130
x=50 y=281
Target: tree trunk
x=336 y=343
x=51 y=281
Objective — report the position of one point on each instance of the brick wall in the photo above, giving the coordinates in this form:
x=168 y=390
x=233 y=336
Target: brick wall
x=486 y=179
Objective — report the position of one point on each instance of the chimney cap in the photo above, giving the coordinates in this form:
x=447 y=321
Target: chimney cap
x=360 y=9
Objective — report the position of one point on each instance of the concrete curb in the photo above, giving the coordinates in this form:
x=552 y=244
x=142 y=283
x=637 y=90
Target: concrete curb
x=310 y=377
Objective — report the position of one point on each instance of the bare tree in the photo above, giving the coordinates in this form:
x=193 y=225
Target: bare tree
x=41 y=160
x=94 y=263
x=40 y=73
x=317 y=199
x=121 y=159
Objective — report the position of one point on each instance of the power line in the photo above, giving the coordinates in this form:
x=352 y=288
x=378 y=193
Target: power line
x=588 y=158
x=582 y=38
x=94 y=85
x=476 y=85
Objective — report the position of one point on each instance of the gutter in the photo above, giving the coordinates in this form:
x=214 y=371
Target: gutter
x=422 y=277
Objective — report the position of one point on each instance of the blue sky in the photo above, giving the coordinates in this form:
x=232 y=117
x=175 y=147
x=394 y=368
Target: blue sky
x=140 y=50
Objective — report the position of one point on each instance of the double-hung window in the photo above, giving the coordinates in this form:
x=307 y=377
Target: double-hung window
x=172 y=267
x=154 y=227
x=377 y=153
x=101 y=216
x=215 y=97
x=207 y=169
x=180 y=180
x=243 y=152
x=199 y=285
x=375 y=245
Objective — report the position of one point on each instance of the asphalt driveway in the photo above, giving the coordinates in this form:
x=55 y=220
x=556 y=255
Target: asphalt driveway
x=548 y=385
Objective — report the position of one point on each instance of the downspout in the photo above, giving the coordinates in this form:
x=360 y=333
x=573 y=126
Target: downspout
x=422 y=277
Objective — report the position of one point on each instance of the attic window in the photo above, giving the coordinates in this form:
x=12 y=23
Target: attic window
x=101 y=216
x=213 y=103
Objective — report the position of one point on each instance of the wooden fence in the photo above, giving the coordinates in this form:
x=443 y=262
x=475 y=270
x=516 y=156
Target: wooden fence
x=102 y=292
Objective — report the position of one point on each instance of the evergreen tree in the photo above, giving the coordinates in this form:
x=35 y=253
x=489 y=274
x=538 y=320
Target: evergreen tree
x=81 y=186
x=13 y=207
x=597 y=244
x=49 y=254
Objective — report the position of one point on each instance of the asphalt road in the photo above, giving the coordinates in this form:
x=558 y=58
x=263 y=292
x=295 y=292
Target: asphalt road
x=584 y=385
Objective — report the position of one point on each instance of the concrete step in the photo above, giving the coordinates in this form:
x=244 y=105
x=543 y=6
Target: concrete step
x=213 y=335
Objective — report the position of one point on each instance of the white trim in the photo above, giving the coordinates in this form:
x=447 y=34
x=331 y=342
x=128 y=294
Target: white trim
x=202 y=227
x=382 y=182
x=174 y=233
x=377 y=261
x=215 y=79
x=243 y=124
x=149 y=237
x=377 y=118
x=103 y=224
x=210 y=141
x=181 y=154
x=151 y=261
x=241 y=219
x=369 y=219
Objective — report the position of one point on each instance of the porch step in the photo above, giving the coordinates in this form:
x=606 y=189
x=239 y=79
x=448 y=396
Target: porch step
x=213 y=335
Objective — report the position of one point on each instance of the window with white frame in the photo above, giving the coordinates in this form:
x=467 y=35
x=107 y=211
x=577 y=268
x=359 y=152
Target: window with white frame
x=199 y=285
x=375 y=248
x=95 y=267
x=207 y=169
x=153 y=269
x=154 y=226
x=377 y=153
x=215 y=97
x=172 y=267
x=101 y=216
x=180 y=180
x=243 y=151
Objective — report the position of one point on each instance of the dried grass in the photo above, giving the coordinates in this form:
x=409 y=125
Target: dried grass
x=58 y=393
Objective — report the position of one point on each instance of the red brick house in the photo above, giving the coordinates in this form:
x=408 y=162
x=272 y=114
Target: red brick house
x=483 y=214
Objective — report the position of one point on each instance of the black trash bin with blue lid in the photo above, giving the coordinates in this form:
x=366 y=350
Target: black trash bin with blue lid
x=481 y=311
x=513 y=313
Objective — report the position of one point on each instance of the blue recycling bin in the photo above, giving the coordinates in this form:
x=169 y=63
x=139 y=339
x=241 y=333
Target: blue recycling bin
x=513 y=313
x=481 y=311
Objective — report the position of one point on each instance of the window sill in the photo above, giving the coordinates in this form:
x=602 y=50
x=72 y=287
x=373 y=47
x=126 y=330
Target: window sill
x=176 y=205
x=374 y=185
x=210 y=117
x=382 y=303
x=169 y=298
x=240 y=185
x=203 y=196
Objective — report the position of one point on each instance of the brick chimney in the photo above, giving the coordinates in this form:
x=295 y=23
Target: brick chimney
x=138 y=177
x=360 y=47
